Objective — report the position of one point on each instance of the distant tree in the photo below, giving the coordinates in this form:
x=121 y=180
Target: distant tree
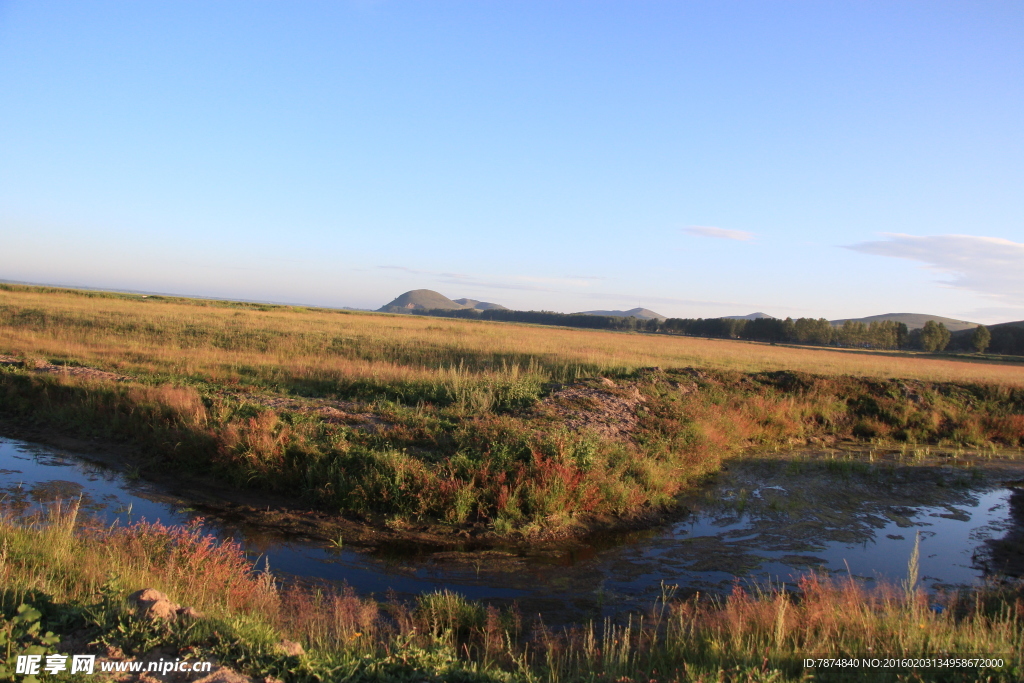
x=811 y=331
x=934 y=336
x=764 y=329
x=902 y=335
x=1008 y=339
x=852 y=333
x=981 y=338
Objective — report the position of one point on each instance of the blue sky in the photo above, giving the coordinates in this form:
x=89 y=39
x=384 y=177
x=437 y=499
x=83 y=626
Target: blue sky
x=697 y=158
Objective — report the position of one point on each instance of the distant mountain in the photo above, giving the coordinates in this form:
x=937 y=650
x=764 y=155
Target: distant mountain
x=480 y=305
x=420 y=300
x=749 y=316
x=639 y=313
x=914 y=321
x=428 y=299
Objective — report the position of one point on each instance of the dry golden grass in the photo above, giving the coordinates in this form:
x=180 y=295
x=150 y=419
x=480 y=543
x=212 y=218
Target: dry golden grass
x=225 y=342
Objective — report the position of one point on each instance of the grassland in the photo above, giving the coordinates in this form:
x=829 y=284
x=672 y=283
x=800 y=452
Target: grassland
x=293 y=348
x=77 y=577
x=507 y=430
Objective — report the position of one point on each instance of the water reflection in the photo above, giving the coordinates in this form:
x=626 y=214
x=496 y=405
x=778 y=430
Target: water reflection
x=761 y=521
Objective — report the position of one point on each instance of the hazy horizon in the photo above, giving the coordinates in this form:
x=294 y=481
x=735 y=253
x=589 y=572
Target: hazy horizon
x=809 y=160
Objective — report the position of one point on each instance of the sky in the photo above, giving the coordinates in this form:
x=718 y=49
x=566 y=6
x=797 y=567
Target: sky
x=835 y=160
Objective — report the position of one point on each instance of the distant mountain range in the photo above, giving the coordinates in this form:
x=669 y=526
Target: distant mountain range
x=428 y=299
x=914 y=321
x=639 y=313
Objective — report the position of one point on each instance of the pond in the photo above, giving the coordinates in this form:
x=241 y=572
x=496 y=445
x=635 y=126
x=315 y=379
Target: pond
x=762 y=520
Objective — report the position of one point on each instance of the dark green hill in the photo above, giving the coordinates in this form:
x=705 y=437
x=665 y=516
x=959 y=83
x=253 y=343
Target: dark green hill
x=913 y=321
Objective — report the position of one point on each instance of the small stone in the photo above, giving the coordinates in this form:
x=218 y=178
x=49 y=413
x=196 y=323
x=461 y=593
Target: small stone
x=190 y=613
x=290 y=648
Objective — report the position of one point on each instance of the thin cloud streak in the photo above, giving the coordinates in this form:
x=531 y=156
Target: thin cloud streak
x=719 y=233
x=991 y=266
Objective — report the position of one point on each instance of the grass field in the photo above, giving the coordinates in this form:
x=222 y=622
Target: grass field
x=511 y=429
x=292 y=347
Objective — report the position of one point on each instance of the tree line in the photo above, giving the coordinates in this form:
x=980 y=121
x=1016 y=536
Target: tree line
x=883 y=334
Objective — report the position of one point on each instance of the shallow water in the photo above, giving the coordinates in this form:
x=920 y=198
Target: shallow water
x=761 y=522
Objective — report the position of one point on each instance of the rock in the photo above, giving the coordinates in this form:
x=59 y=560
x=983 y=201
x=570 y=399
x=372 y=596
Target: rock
x=147 y=595
x=190 y=613
x=607 y=382
x=290 y=648
x=152 y=604
x=161 y=609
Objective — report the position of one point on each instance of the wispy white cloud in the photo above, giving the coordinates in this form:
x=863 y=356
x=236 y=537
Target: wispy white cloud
x=719 y=233
x=988 y=265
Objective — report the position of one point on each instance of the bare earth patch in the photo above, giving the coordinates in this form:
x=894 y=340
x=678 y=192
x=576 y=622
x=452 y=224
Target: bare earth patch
x=330 y=411
x=601 y=407
x=42 y=367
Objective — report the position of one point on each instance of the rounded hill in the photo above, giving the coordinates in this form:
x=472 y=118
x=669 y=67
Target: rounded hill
x=420 y=300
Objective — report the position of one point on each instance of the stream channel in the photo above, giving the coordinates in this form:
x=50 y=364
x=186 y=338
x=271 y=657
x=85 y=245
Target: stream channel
x=762 y=520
